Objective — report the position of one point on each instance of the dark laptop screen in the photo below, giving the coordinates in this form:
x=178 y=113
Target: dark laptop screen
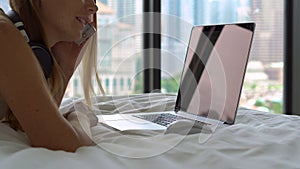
x=214 y=70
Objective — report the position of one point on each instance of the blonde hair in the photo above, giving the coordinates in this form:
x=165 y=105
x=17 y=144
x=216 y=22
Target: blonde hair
x=89 y=68
x=27 y=10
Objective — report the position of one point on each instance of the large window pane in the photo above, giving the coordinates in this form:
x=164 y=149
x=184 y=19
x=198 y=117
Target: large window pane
x=263 y=85
x=119 y=47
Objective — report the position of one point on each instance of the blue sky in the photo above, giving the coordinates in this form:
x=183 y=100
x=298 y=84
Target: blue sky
x=4 y=4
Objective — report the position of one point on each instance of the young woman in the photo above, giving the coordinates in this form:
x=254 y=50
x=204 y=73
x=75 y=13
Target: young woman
x=28 y=101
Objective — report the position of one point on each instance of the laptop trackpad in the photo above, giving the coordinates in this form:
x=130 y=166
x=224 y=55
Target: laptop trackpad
x=126 y=124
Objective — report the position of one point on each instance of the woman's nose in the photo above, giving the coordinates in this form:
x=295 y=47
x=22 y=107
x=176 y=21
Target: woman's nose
x=91 y=6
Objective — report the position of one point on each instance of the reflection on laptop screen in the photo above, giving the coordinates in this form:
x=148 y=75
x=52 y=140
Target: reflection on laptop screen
x=214 y=70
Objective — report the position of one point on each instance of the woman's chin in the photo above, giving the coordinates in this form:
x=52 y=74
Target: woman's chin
x=74 y=38
x=78 y=37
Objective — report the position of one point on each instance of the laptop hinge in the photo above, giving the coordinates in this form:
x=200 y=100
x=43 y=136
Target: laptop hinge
x=200 y=118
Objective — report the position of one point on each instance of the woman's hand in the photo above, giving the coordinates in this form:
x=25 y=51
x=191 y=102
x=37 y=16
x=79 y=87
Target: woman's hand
x=88 y=111
x=82 y=124
x=82 y=117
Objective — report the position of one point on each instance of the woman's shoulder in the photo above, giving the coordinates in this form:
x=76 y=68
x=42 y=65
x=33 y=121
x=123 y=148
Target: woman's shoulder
x=5 y=23
x=7 y=30
x=4 y=19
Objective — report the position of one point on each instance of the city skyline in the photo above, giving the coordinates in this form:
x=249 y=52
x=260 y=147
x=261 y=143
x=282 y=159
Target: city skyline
x=231 y=10
x=120 y=41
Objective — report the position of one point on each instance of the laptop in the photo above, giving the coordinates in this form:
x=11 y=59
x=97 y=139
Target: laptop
x=210 y=85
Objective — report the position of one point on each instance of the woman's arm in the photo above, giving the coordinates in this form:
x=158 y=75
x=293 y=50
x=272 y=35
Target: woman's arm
x=23 y=87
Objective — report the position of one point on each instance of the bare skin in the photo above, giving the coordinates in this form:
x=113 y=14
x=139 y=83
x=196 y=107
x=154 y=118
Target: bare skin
x=23 y=87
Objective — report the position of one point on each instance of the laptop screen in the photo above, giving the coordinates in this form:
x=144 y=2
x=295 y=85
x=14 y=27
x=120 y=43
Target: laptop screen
x=214 y=70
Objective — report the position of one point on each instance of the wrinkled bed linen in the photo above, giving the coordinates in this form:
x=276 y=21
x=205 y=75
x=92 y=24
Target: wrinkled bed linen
x=257 y=140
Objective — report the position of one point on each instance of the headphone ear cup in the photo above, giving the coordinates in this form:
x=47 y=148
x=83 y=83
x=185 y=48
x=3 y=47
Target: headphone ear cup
x=41 y=52
x=44 y=57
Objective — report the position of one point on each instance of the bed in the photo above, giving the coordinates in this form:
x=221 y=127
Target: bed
x=256 y=140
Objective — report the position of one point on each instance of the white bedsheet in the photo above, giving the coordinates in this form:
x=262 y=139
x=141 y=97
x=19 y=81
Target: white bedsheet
x=257 y=140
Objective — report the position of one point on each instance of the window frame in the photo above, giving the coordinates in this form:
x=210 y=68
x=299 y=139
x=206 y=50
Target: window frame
x=152 y=77
x=152 y=46
x=291 y=59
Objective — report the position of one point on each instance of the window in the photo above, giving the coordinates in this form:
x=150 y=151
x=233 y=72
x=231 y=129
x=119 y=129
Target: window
x=76 y=85
x=263 y=87
x=122 y=84
x=120 y=27
x=129 y=83
x=4 y=5
x=115 y=86
x=120 y=43
x=107 y=84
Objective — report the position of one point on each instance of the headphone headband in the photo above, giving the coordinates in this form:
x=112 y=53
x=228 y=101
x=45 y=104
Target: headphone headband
x=41 y=51
x=15 y=18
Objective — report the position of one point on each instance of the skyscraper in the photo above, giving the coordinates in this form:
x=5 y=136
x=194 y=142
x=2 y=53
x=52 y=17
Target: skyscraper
x=123 y=8
x=268 y=46
x=199 y=12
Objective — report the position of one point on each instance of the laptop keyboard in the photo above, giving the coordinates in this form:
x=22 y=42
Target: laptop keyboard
x=163 y=119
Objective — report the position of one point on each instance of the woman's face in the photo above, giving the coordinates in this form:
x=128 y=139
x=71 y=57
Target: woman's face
x=64 y=20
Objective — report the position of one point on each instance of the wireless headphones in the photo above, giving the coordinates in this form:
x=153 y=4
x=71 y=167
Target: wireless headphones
x=41 y=51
